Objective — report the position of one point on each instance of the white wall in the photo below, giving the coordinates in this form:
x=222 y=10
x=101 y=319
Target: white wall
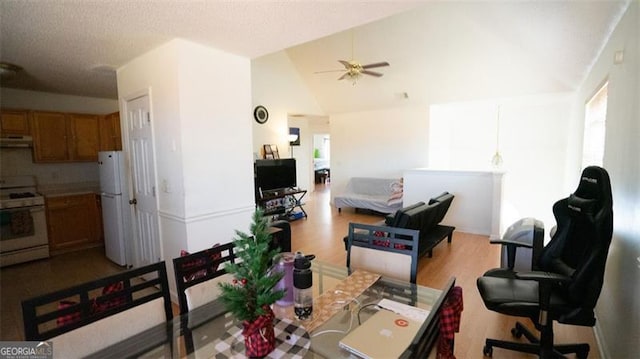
x=303 y=153
x=14 y=162
x=201 y=114
x=380 y=143
x=533 y=132
x=44 y=101
x=216 y=130
x=277 y=86
x=618 y=310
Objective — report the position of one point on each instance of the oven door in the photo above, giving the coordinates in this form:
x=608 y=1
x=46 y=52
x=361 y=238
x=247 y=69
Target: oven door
x=21 y=228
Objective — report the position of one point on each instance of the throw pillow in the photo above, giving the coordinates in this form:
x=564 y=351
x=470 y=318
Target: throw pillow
x=397 y=190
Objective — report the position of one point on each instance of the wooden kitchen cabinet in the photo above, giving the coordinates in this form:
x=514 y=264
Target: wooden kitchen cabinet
x=110 y=133
x=14 y=122
x=84 y=139
x=62 y=137
x=49 y=130
x=73 y=221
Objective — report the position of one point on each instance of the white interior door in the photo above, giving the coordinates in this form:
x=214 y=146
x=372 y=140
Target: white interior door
x=145 y=221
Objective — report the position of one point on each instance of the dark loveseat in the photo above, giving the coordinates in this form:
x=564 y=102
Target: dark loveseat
x=425 y=218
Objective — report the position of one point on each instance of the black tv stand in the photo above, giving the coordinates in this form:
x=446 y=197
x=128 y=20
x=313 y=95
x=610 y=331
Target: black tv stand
x=283 y=203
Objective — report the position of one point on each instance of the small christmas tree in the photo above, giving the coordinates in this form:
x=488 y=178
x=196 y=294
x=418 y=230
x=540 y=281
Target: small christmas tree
x=251 y=293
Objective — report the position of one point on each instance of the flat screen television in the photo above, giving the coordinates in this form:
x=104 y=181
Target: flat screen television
x=273 y=175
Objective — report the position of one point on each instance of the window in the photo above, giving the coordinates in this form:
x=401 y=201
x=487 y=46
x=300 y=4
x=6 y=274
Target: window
x=594 y=128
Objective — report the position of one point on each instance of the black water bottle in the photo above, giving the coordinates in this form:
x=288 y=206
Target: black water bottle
x=302 y=291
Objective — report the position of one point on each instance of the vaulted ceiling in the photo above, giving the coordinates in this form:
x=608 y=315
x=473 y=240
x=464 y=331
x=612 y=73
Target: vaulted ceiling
x=437 y=50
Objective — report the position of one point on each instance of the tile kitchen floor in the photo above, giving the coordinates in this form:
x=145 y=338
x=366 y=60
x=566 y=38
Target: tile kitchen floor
x=26 y=280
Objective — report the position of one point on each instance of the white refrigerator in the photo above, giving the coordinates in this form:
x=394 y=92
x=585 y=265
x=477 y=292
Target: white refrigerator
x=116 y=211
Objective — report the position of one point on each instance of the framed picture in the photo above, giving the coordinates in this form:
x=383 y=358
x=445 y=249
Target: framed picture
x=274 y=150
x=294 y=132
x=271 y=152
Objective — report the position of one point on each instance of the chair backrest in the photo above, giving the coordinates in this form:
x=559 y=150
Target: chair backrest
x=580 y=245
x=91 y=316
x=197 y=275
x=389 y=251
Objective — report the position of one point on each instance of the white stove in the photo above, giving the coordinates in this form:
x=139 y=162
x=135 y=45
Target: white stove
x=23 y=225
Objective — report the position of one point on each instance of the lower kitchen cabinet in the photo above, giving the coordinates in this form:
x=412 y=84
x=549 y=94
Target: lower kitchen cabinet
x=74 y=221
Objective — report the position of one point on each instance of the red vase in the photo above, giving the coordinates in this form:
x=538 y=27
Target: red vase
x=259 y=336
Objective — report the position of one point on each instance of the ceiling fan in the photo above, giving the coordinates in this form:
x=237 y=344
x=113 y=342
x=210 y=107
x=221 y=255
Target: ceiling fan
x=354 y=69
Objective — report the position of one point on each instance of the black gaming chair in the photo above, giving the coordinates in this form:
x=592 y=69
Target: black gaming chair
x=571 y=270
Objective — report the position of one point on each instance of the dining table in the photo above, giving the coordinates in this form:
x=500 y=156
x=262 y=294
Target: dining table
x=342 y=302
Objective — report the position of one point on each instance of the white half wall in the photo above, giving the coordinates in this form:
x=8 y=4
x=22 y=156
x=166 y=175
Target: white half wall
x=476 y=207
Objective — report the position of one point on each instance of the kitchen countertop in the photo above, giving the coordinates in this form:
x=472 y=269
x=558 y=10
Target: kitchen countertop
x=69 y=189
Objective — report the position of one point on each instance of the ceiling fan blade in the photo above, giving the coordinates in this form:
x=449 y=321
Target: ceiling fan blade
x=371 y=73
x=346 y=64
x=343 y=76
x=377 y=64
x=321 y=72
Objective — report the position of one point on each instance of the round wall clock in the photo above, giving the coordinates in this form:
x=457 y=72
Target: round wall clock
x=261 y=114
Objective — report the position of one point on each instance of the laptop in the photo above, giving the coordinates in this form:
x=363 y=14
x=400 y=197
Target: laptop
x=384 y=335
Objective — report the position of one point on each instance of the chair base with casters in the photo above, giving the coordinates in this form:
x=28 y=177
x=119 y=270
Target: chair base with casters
x=535 y=344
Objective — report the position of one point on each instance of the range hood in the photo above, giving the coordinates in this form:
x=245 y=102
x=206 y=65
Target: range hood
x=16 y=141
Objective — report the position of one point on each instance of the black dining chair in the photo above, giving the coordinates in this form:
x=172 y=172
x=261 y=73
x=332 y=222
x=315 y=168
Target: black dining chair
x=571 y=272
x=198 y=274
x=89 y=317
x=389 y=251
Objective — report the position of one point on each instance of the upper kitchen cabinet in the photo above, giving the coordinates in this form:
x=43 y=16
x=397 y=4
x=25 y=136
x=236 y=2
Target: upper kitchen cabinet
x=14 y=122
x=110 y=133
x=49 y=130
x=61 y=137
x=84 y=142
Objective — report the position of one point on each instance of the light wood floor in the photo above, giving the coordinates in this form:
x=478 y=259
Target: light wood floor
x=466 y=258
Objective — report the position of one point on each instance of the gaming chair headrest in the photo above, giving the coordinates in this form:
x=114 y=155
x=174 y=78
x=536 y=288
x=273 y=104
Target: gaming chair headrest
x=594 y=189
x=580 y=205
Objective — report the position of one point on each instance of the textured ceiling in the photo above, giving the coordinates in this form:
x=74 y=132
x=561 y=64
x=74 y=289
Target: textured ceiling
x=60 y=43
x=457 y=51
x=439 y=51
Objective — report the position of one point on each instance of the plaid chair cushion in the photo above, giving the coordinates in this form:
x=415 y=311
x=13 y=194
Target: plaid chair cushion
x=67 y=319
x=197 y=262
x=101 y=304
x=385 y=243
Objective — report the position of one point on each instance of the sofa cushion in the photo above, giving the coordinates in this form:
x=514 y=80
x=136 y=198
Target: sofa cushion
x=421 y=218
x=369 y=193
x=445 y=202
x=439 y=197
x=392 y=219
